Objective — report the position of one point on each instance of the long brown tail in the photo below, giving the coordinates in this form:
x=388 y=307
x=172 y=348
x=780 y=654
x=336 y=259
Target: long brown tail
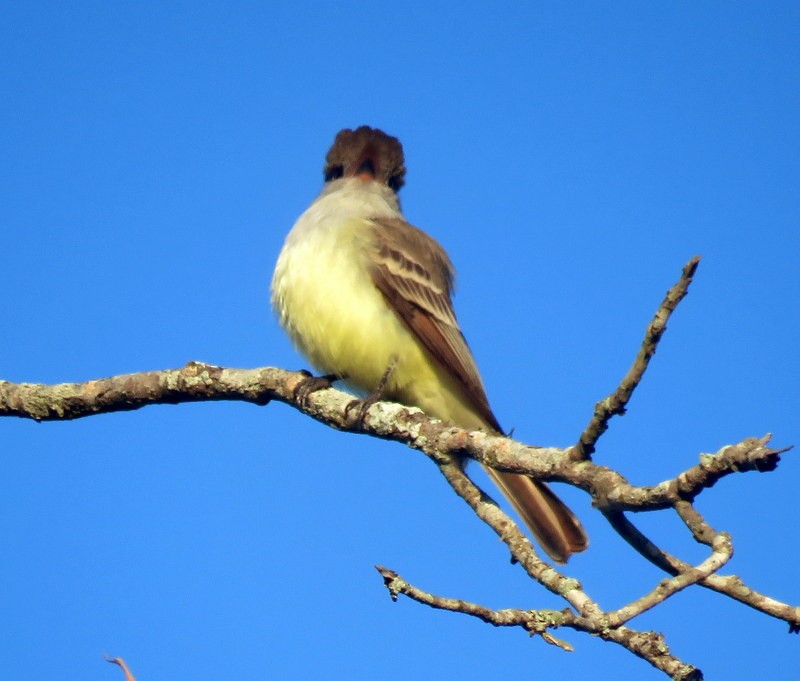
x=555 y=527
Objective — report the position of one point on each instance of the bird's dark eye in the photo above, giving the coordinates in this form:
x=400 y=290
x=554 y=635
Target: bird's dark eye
x=333 y=172
x=395 y=182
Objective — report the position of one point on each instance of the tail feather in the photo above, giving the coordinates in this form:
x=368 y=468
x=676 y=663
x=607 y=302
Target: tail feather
x=557 y=529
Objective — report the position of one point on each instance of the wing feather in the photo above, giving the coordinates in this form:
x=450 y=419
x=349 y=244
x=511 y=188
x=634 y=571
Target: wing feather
x=415 y=276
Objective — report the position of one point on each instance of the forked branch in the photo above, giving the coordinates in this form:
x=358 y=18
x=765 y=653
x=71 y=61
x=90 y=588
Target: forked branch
x=447 y=446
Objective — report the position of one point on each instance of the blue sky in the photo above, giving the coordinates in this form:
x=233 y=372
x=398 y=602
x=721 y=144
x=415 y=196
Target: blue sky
x=570 y=156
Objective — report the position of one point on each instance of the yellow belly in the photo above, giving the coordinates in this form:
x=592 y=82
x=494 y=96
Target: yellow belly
x=340 y=321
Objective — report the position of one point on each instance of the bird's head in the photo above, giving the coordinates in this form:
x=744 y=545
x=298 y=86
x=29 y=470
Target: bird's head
x=368 y=154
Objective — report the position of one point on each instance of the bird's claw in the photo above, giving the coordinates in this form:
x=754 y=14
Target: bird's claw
x=361 y=407
x=311 y=384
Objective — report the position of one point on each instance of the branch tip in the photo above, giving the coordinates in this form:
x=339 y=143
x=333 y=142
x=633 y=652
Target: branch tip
x=121 y=664
x=391 y=580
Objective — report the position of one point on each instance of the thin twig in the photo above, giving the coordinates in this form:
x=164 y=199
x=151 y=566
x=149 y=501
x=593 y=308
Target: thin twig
x=121 y=664
x=617 y=401
x=728 y=585
x=649 y=646
x=721 y=554
x=699 y=527
x=534 y=621
x=521 y=548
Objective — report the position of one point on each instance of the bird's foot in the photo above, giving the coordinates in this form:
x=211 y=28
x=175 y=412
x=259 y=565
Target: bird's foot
x=311 y=384
x=362 y=406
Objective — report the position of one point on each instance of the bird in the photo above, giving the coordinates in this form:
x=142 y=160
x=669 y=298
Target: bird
x=367 y=298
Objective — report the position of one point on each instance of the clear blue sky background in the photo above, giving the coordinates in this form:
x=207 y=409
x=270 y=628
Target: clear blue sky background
x=154 y=155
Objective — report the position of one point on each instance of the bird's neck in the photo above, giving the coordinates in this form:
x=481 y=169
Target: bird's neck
x=354 y=197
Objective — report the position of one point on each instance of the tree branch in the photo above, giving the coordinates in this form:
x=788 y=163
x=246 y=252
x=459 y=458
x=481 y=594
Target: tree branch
x=649 y=646
x=610 y=491
x=447 y=447
x=121 y=664
x=617 y=401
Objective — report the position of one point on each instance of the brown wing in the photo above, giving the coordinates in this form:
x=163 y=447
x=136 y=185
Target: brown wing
x=415 y=276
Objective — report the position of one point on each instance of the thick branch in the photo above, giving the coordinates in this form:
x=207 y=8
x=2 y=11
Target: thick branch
x=610 y=491
x=196 y=382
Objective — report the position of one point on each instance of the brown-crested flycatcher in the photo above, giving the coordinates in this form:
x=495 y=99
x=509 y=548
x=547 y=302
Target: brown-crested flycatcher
x=360 y=291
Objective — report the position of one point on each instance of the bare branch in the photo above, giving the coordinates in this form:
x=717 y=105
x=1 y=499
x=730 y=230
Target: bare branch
x=617 y=401
x=121 y=664
x=521 y=548
x=729 y=585
x=721 y=554
x=649 y=646
x=196 y=382
x=609 y=489
x=534 y=621
x=204 y=382
x=750 y=455
x=441 y=442
x=447 y=447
